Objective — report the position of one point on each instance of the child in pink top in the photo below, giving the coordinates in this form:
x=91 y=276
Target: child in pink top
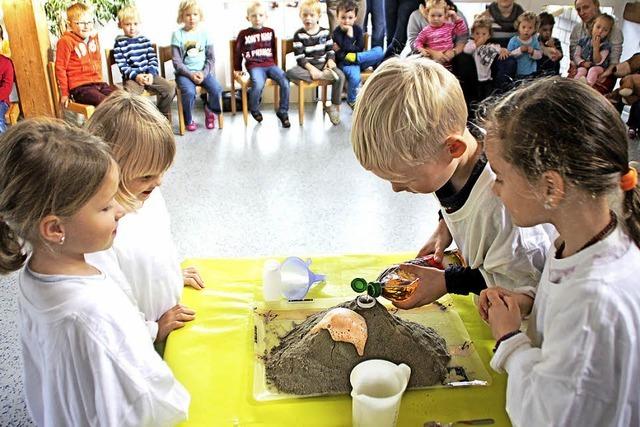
x=435 y=41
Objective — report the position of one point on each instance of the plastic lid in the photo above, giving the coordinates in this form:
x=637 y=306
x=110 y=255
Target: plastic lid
x=374 y=289
x=359 y=285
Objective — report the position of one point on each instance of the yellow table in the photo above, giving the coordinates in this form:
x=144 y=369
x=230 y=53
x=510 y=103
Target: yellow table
x=213 y=355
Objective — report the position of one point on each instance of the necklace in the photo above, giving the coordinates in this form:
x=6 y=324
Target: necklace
x=595 y=239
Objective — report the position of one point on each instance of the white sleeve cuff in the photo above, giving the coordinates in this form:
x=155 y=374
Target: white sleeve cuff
x=506 y=349
x=153 y=330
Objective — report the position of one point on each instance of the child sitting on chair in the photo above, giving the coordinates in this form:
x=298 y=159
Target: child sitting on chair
x=193 y=61
x=6 y=85
x=435 y=41
x=592 y=53
x=78 y=60
x=525 y=46
x=257 y=45
x=313 y=48
x=137 y=60
x=551 y=47
x=351 y=57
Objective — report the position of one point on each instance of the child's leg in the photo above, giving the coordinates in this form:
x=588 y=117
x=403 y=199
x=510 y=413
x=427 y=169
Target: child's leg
x=89 y=94
x=3 y=110
x=336 y=87
x=214 y=89
x=352 y=75
x=165 y=91
x=298 y=73
x=106 y=89
x=593 y=74
x=580 y=72
x=187 y=96
x=258 y=77
x=370 y=58
x=275 y=73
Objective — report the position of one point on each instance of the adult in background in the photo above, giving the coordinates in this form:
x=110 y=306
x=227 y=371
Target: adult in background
x=396 y=13
x=588 y=10
x=375 y=9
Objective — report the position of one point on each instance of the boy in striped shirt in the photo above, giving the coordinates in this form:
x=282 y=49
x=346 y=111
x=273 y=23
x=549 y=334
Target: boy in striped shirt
x=137 y=60
x=313 y=48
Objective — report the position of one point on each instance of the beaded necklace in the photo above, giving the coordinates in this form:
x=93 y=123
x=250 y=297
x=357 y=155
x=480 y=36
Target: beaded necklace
x=595 y=239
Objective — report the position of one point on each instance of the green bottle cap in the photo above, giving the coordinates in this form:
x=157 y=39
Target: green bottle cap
x=359 y=285
x=374 y=289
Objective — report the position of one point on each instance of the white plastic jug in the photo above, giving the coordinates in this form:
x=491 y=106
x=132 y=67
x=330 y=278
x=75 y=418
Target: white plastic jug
x=377 y=390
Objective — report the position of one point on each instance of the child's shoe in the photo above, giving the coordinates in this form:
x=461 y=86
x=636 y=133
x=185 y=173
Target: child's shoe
x=257 y=115
x=334 y=114
x=351 y=57
x=351 y=104
x=209 y=118
x=192 y=126
x=284 y=119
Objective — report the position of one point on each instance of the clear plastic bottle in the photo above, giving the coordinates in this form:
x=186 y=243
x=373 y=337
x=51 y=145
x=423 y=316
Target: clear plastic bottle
x=396 y=284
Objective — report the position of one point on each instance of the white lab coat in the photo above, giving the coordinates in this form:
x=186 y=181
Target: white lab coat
x=508 y=256
x=579 y=364
x=143 y=254
x=87 y=356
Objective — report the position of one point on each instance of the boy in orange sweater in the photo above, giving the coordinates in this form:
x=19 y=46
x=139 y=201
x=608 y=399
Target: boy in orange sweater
x=79 y=61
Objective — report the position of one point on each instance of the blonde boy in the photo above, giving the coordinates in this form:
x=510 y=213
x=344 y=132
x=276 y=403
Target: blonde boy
x=257 y=46
x=78 y=60
x=313 y=48
x=137 y=60
x=409 y=128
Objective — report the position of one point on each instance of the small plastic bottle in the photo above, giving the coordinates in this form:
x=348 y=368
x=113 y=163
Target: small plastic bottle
x=396 y=284
x=271 y=280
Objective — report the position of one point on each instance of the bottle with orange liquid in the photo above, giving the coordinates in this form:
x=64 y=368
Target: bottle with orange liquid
x=396 y=284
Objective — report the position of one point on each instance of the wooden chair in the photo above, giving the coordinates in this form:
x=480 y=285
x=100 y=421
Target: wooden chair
x=84 y=109
x=246 y=84
x=287 y=47
x=165 y=55
x=12 y=114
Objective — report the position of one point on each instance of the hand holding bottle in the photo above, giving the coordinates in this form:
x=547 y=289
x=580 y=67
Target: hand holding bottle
x=430 y=286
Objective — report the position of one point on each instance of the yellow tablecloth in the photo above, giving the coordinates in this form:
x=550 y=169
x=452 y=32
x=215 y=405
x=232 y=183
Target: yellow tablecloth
x=213 y=356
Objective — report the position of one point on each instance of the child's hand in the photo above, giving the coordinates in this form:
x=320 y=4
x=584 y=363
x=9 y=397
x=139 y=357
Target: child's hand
x=586 y=64
x=504 y=53
x=64 y=100
x=595 y=41
x=331 y=64
x=525 y=49
x=438 y=56
x=198 y=77
x=336 y=47
x=192 y=278
x=504 y=314
x=524 y=301
x=424 y=52
x=173 y=319
x=451 y=14
x=315 y=73
x=430 y=288
x=437 y=243
x=141 y=80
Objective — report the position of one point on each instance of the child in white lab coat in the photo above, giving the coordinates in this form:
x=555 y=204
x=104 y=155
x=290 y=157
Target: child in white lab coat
x=143 y=254
x=559 y=151
x=87 y=356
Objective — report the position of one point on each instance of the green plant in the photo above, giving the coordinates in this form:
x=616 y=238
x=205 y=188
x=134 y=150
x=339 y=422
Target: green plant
x=56 y=11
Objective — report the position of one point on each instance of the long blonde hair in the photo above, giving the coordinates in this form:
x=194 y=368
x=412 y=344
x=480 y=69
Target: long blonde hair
x=140 y=137
x=46 y=168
